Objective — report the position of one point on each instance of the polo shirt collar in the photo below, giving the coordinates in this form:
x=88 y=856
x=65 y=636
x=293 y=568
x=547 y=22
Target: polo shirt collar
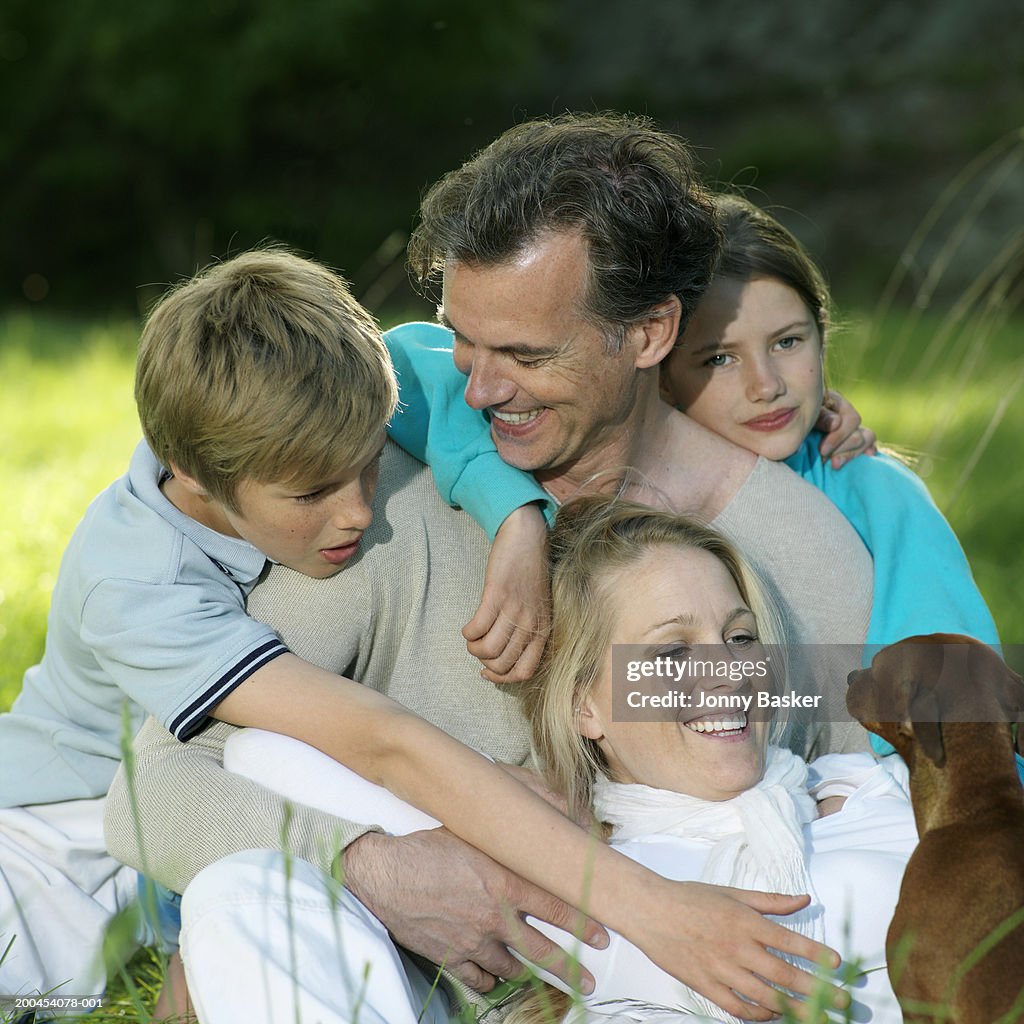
x=237 y=558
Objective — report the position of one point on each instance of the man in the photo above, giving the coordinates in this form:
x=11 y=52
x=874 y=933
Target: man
x=560 y=323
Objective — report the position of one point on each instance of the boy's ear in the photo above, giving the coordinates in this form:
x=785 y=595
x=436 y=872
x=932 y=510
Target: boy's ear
x=190 y=483
x=656 y=336
x=588 y=724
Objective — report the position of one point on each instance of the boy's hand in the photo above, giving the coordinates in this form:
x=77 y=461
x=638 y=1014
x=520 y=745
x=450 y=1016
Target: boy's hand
x=845 y=438
x=511 y=626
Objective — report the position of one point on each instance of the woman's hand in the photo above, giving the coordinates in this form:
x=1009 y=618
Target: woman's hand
x=508 y=632
x=845 y=437
x=718 y=941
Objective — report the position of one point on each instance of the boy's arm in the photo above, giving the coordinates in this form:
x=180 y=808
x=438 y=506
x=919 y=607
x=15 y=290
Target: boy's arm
x=176 y=810
x=475 y=799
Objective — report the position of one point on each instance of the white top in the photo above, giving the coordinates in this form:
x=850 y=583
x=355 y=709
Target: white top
x=856 y=860
x=149 y=609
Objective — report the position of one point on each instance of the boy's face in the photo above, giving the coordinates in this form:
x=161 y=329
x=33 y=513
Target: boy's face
x=749 y=366
x=314 y=532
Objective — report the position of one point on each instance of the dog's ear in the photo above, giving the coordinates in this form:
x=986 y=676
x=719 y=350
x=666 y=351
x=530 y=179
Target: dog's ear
x=1011 y=700
x=924 y=724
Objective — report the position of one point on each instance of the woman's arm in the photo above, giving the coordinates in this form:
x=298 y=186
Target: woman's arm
x=172 y=810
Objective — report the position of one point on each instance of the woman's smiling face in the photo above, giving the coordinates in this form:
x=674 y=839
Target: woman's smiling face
x=674 y=600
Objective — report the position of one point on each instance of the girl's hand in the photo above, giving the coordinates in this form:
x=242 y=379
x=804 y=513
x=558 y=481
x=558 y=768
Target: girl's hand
x=718 y=941
x=511 y=626
x=845 y=438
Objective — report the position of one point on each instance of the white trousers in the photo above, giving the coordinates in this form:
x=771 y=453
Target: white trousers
x=59 y=888
x=266 y=940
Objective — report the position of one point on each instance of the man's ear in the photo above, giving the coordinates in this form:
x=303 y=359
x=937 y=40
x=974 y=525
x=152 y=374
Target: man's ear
x=657 y=334
x=190 y=483
x=588 y=724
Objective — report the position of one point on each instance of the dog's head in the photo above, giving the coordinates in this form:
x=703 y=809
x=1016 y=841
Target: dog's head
x=912 y=687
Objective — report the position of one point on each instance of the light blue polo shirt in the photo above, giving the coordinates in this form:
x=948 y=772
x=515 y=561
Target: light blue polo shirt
x=149 y=609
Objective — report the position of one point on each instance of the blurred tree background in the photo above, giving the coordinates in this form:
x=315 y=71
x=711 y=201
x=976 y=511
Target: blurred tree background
x=140 y=140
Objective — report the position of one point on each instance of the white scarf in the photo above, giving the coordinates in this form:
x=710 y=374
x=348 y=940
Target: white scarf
x=758 y=836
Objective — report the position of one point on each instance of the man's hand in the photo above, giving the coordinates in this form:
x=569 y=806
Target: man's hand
x=845 y=437
x=446 y=901
x=511 y=626
x=727 y=948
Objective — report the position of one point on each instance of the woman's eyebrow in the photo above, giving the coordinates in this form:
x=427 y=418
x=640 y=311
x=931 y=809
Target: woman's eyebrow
x=688 y=619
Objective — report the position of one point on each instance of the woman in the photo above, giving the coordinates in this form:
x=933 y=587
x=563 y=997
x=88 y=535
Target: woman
x=699 y=796
x=687 y=797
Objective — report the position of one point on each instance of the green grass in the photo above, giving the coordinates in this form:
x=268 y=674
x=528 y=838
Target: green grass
x=961 y=419
x=68 y=414
x=946 y=389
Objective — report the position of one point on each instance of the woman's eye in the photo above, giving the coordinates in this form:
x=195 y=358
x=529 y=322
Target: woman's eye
x=742 y=640
x=677 y=653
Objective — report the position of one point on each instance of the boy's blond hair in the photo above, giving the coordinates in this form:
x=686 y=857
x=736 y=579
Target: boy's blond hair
x=263 y=367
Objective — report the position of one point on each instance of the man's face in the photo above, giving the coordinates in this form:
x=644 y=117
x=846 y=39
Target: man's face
x=536 y=367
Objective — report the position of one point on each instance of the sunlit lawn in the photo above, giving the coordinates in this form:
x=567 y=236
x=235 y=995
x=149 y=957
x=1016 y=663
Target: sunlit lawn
x=68 y=415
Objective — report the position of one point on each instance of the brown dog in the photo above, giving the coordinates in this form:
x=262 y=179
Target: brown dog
x=945 y=703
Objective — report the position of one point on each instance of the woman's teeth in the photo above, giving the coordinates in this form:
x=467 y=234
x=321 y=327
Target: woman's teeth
x=717 y=724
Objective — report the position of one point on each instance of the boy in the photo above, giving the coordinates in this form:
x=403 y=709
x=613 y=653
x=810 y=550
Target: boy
x=263 y=390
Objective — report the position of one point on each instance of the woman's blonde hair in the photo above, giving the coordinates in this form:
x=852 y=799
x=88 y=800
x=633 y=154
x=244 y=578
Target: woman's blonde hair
x=593 y=542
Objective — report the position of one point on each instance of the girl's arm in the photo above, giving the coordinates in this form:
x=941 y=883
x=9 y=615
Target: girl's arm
x=435 y=425
x=715 y=940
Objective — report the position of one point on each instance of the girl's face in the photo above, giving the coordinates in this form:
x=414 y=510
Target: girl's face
x=749 y=366
x=674 y=602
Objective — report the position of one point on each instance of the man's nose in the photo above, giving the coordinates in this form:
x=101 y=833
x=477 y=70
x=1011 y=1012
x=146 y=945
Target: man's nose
x=487 y=384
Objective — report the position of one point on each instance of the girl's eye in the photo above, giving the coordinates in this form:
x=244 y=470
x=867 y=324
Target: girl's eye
x=718 y=359
x=787 y=343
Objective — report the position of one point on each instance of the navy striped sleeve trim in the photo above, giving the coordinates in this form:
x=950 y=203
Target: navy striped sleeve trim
x=193 y=718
